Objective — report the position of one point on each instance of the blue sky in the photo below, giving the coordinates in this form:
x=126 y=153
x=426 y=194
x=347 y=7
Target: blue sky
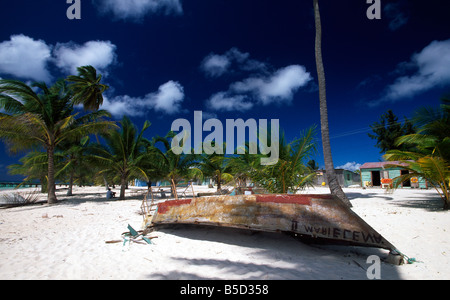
x=163 y=59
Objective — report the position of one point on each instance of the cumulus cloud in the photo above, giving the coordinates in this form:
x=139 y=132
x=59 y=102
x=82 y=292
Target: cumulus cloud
x=136 y=10
x=224 y=102
x=351 y=166
x=216 y=65
x=25 y=57
x=99 y=54
x=432 y=69
x=260 y=86
x=167 y=100
x=280 y=86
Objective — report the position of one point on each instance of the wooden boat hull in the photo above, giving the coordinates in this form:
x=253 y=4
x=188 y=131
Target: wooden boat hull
x=314 y=216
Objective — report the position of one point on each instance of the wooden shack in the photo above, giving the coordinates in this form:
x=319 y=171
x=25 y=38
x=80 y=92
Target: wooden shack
x=373 y=173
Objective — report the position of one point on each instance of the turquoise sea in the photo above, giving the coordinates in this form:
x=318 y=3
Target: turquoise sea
x=12 y=185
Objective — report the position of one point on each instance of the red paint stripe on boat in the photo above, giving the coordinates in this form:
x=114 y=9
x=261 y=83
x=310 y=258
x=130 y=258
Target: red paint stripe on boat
x=295 y=199
x=164 y=207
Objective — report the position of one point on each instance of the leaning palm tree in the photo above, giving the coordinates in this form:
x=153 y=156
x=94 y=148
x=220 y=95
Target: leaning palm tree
x=333 y=183
x=43 y=120
x=124 y=155
x=86 y=87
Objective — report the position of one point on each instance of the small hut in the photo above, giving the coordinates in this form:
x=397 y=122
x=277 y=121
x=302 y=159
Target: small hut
x=375 y=174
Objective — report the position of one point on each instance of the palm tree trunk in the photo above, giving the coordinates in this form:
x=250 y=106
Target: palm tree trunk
x=69 y=191
x=123 y=185
x=219 y=181
x=51 y=198
x=333 y=183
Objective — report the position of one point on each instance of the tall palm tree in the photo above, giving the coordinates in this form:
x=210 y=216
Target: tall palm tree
x=43 y=120
x=86 y=87
x=124 y=154
x=333 y=183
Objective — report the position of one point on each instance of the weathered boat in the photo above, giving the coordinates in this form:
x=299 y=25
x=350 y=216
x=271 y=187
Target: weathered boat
x=314 y=216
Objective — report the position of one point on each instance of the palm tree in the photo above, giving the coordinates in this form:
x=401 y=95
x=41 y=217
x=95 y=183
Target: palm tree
x=43 y=120
x=290 y=173
x=430 y=154
x=86 y=87
x=73 y=161
x=333 y=183
x=242 y=166
x=34 y=166
x=124 y=154
x=174 y=167
x=215 y=166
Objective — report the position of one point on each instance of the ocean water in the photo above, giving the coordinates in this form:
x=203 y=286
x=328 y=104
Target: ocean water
x=12 y=186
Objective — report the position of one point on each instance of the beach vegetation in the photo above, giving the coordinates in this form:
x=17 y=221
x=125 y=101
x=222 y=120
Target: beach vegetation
x=216 y=167
x=430 y=157
x=39 y=117
x=291 y=173
x=388 y=129
x=171 y=166
x=123 y=156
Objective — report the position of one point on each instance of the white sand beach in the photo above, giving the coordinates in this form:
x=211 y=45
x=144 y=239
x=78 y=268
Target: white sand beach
x=67 y=241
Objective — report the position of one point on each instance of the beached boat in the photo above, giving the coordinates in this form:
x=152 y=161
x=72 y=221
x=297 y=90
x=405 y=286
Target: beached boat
x=320 y=217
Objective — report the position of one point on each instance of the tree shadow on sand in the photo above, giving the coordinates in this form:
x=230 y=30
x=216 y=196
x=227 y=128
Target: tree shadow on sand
x=271 y=256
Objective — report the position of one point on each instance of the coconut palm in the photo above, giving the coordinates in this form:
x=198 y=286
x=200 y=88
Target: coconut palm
x=123 y=156
x=86 y=88
x=74 y=164
x=43 y=120
x=174 y=167
x=430 y=158
x=243 y=166
x=333 y=183
x=34 y=166
x=291 y=172
x=215 y=166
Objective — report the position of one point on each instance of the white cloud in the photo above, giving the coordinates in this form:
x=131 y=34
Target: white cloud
x=351 y=166
x=25 y=57
x=166 y=100
x=99 y=54
x=223 y=102
x=432 y=69
x=215 y=65
x=136 y=10
x=280 y=86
